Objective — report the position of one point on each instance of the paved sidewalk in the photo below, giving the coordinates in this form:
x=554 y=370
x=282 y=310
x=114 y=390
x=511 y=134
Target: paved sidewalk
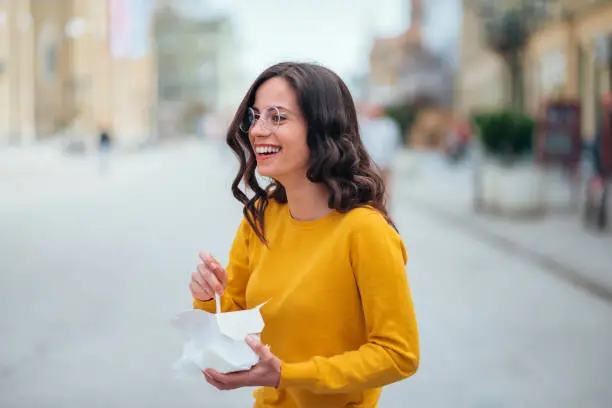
x=45 y=171
x=559 y=242
x=89 y=287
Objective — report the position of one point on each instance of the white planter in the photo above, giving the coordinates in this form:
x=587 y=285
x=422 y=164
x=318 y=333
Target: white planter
x=563 y=190
x=516 y=190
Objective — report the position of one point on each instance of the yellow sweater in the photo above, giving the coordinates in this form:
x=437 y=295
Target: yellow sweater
x=340 y=314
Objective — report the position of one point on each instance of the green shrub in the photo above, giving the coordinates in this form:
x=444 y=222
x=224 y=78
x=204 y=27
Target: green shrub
x=505 y=133
x=404 y=115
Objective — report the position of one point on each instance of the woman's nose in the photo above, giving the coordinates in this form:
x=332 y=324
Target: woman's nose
x=260 y=129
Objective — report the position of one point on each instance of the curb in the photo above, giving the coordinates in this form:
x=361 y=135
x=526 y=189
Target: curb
x=557 y=269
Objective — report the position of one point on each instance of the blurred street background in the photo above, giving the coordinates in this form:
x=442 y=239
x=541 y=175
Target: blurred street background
x=114 y=174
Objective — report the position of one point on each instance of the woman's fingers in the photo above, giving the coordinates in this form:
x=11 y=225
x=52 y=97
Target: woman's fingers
x=204 y=255
x=219 y=272
x=210 y=264
x=199 y=289
x=208 y=277
x=218 y=385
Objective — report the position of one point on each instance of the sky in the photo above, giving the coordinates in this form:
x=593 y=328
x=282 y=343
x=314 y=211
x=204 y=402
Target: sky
x=335 y=33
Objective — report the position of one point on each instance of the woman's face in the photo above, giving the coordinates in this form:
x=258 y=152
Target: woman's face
x=278 y=132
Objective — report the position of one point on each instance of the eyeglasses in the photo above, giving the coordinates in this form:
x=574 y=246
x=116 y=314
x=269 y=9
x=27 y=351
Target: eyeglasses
x=269 y=119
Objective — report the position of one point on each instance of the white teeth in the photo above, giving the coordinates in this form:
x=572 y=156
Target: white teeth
x=267 y=150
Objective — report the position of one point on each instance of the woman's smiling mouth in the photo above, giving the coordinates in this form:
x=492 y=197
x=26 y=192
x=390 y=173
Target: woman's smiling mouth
x=266 y=151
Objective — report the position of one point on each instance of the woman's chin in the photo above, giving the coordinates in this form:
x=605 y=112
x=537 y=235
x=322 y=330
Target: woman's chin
x=266 y=171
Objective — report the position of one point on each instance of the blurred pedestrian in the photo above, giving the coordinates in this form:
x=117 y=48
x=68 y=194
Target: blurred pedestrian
x=381 y=136
x=458 y=140
x=317 y=244
x=596 y=206
x=104 y=146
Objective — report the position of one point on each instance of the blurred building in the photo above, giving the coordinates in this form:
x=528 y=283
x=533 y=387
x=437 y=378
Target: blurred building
x=72 y=66
x=195 y=63
x=480 y=79
x=403 y=71
x=561 y=59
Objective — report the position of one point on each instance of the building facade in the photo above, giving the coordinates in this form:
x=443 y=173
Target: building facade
x=16 y=71
x=74 y=66
x=403 y=71
x=481 y=80
x=195 y=60
x=560 y=60
x=563 y=60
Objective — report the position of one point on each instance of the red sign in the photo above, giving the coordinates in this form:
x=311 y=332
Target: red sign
x=558 y=139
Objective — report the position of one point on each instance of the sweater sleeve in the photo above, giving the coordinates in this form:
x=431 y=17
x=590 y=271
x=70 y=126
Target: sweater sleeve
x=238 y=273
x=391 y=351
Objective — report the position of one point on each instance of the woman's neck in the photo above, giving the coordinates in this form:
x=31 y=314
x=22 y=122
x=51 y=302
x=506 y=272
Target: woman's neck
x=307 y=201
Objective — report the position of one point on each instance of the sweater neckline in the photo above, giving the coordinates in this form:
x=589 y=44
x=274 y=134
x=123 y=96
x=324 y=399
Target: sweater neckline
x=309 y=224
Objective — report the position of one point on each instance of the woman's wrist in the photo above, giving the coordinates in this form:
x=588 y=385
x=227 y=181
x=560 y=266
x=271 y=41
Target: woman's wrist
x=278 y=367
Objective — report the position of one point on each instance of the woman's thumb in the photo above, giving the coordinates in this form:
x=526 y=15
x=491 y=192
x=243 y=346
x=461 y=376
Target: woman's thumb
x=257 y=346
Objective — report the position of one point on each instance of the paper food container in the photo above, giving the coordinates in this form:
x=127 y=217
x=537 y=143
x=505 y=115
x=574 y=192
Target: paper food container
x=217 y=341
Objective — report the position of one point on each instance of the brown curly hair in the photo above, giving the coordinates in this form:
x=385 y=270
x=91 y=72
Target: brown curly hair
x=338 y=158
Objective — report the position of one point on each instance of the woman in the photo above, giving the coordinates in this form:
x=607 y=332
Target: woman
x=318 y=245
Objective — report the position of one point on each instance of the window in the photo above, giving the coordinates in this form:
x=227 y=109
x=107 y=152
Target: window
x=48 y=52
x=50 y=61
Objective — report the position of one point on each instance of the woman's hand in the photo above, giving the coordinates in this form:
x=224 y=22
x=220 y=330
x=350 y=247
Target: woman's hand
x=209 y=278
x=266 y=373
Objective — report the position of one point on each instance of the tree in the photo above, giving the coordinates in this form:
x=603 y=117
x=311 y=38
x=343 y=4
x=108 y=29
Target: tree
x=508 y=25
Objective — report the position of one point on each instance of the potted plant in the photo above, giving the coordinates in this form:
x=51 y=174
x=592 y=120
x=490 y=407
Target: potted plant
x=506 y=135
x=404 y=115
x=507 y=180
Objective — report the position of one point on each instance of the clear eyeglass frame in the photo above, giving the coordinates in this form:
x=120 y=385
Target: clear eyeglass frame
x=270 y=119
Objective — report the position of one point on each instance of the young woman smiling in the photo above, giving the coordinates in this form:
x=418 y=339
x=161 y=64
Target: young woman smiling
x=318 y=245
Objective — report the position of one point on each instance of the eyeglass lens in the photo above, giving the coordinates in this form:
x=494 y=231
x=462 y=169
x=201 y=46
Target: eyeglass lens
x=270 y=118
